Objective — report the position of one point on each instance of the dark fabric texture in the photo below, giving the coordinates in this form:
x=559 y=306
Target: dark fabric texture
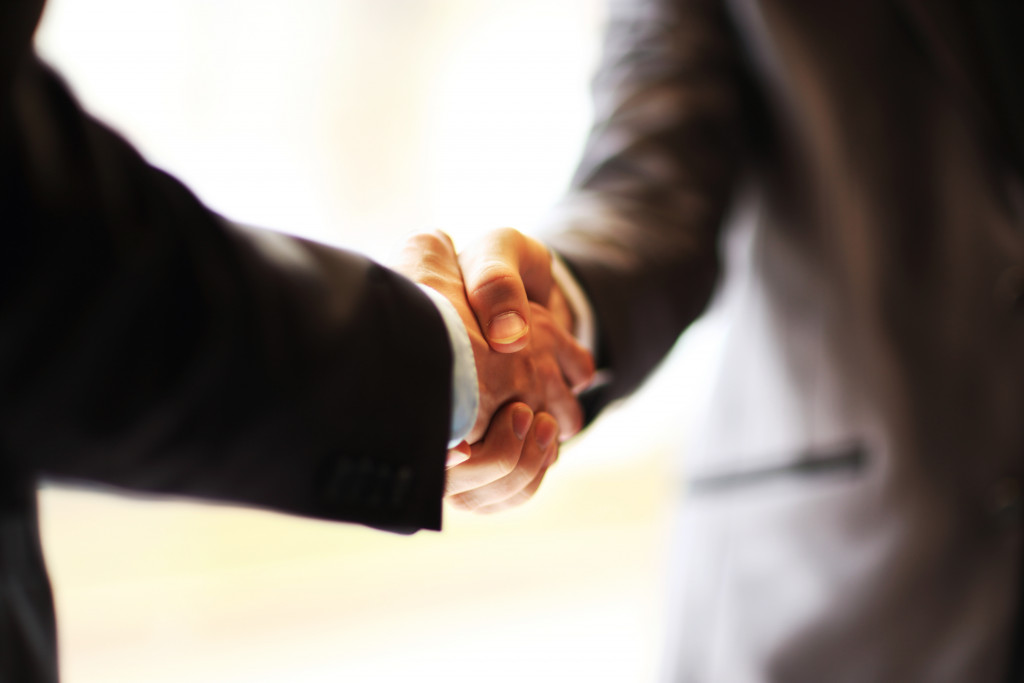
x=150 y=345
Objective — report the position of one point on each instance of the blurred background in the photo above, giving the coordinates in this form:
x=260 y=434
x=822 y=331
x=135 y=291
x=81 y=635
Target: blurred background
x=354 y=122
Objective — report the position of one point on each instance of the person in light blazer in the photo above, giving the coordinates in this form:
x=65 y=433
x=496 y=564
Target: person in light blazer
x=847 y=176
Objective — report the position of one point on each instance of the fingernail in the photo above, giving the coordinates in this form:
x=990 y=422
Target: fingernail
x=546 y=433
x=506 y=328
x=522 y=418
x=457 y=456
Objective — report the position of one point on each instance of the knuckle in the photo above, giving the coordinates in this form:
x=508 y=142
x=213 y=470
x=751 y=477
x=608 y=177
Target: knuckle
x=574 y=421
x=525 y=384
x=529 y=375
x=443 y=238
x=493 y=280
x=507 y=487
x=519 y=499
x=543 y=323
x=550 y=375
x=507 y=462
x=432 y=261
x=507 y=235
x=470 y=501
x=424 y=241
x=511 y=503
x=459 y=502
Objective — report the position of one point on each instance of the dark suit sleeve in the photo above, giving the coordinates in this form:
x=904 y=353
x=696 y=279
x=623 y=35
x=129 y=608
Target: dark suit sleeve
x=640 y=227
x=147 y=343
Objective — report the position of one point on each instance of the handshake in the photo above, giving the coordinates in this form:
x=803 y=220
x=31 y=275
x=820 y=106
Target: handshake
x=529 y=367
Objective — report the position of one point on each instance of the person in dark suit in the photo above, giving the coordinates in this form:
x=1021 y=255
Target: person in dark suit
x=149 y=344
x=849 y=177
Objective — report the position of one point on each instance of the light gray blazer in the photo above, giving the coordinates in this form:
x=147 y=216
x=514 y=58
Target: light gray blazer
x=855 y=509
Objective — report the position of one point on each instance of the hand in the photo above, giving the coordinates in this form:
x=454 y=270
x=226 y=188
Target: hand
x=540 y=374
x=506 y=468
x=503 y=273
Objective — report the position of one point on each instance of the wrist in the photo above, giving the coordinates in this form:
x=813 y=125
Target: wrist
x=465 y=392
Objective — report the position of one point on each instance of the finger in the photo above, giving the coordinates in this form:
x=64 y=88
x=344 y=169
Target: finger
x=516 y=500
x=503 y=272
x=576 y=362
x=424 y=257
x=457 y=455
x=527 y=492
x=535 y=455
x=562 y=403
x=497 y=454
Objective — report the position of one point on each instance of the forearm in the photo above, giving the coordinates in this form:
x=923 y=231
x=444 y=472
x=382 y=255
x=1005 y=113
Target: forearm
x=640 y=227
x=640 y=305
x=149 y=344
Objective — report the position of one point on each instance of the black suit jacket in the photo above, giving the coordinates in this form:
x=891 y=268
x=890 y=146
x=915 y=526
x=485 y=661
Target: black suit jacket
x=147 y=343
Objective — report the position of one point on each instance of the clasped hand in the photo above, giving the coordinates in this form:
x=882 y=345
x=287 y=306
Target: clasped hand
x=529 y=367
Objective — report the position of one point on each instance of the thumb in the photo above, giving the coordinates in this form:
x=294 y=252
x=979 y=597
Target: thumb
x=503 y=273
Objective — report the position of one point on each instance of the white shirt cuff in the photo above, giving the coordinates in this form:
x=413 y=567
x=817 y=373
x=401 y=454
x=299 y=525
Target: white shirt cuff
x=582 y=311
x=465 y=387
